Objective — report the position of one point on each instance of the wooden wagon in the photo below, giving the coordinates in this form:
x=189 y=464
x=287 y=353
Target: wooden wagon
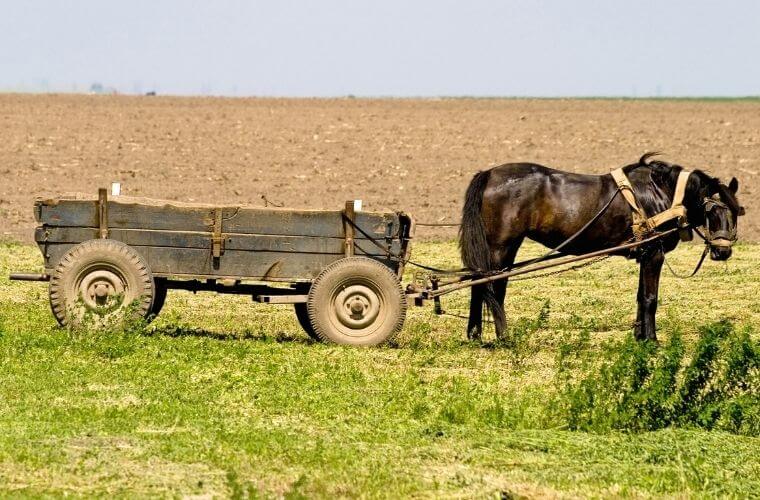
x=106 y=255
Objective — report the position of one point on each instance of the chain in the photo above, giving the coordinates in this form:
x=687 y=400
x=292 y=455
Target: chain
x=486 y=315
x=560 y=271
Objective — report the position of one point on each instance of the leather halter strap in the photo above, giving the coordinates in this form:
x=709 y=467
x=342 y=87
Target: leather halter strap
x=641 y=223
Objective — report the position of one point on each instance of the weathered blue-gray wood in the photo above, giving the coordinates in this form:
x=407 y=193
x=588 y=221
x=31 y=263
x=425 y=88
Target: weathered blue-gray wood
x=170 y=217
x=256 y=243
x=237 y=264
x=237 y=241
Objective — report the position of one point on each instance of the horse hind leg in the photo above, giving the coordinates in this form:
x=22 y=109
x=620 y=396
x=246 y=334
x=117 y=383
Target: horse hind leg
x=506 y=258
x=475 y=321
x=500 y=293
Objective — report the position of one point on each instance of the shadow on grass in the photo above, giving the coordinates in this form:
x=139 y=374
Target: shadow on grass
x=175 y=331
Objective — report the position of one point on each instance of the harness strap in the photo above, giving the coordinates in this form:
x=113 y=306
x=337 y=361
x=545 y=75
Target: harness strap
x=641 y=223
x=683 y=178
x=639 y=215
x=676 y=209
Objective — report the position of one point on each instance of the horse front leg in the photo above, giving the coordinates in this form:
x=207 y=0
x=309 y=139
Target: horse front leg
x=475 y=322
x=649 y=283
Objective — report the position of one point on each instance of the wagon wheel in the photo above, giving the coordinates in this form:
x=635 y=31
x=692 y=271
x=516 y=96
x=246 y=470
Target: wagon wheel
x=100 y=279
x=159 y=297
x=302 y=314
x=356 y=301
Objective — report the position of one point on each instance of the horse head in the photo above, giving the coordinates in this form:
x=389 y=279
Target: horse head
x=718 y=213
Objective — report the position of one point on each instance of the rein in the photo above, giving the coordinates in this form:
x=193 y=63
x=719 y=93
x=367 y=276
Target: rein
x=551 y=254
x=643 y=227
x=696 y=269
x=708 y=243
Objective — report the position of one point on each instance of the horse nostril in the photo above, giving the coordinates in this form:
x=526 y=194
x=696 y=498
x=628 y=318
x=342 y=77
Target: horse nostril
x=721 y=253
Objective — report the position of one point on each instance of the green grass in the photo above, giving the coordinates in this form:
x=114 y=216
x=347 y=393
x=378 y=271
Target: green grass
x=223 y=397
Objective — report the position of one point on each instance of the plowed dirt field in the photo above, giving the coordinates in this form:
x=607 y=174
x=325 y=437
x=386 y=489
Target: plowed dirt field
x=400 y=154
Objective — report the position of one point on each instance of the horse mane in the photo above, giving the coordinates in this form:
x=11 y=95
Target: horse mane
x=664 y=176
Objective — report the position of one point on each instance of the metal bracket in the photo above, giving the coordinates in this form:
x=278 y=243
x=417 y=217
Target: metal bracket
x=217 y=240
x=438 y=309
x=281 y=299
x=103 y=213
x=389 y=238
x=348 y=226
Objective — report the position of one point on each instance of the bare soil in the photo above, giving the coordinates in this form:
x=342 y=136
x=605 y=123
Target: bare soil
x=398 y=154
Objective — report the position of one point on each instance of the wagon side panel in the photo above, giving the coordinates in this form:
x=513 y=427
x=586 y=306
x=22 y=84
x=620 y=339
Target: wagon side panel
x=261 y=244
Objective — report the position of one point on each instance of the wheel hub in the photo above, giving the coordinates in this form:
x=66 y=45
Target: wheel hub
x=98 y=288
x=357 y=306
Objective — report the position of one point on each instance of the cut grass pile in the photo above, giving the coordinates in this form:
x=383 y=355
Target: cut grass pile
x=223 y=397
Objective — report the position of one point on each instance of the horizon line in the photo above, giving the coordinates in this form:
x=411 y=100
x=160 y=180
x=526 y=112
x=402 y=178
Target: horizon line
x=388 y=97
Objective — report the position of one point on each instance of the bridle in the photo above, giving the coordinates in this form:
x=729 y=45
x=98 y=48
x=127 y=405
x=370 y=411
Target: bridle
x=721 y=238
x=712 y=239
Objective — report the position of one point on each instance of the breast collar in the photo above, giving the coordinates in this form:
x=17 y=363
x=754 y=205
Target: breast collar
x=642 y=224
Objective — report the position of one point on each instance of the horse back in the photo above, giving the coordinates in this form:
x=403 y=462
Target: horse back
x=548 y=205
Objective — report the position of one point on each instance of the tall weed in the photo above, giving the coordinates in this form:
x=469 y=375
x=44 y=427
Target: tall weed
x=640 y=386
x=110 y=336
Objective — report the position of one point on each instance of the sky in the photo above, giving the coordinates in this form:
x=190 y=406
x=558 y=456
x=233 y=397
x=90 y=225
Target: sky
x=542 y=48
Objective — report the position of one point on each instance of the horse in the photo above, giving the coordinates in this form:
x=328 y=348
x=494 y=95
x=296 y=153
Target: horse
x=578 y=214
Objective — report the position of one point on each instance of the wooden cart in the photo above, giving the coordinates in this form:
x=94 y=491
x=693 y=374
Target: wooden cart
x=104 y=256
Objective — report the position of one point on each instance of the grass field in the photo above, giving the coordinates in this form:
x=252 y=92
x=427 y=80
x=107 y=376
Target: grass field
x=221 y=397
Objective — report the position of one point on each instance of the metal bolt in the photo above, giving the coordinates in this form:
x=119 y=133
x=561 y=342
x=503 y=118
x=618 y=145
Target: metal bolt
x=357 y=306
x=101 y=290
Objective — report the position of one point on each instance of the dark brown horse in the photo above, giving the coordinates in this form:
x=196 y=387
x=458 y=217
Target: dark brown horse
x=511 y=202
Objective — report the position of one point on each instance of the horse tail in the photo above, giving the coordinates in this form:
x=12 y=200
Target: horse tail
x=473 y=244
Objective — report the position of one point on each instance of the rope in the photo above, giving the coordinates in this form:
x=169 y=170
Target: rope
x=390 y=254
x=556 y=249
x=547 y=256
x=486 y=312
x=435 y=224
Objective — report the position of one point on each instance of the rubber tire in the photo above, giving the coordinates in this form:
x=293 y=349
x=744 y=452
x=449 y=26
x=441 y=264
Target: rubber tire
x=159 y=297
x=369 y=275
x=302 y=314
x=110 y=255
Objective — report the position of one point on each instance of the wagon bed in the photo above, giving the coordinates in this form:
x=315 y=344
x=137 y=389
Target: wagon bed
x=252 y=243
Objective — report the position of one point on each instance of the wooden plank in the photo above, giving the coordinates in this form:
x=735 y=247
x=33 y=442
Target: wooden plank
x=157 y=216
x=76 y=213
x=264 y=266
x=180 y=239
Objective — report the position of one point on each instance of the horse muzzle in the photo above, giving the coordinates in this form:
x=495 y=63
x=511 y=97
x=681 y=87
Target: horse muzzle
x=720 y=249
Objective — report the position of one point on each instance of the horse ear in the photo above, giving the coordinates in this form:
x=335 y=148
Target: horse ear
x=733 y=186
